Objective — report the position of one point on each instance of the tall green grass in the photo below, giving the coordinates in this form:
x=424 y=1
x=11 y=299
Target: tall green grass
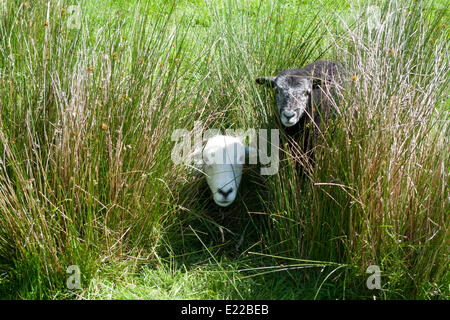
x=378 y=194
x=85 y=129
x=85 y=137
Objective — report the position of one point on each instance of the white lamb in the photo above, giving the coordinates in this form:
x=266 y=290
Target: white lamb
x=222 y=161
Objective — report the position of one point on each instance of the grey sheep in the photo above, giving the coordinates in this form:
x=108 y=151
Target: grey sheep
x=298 y=90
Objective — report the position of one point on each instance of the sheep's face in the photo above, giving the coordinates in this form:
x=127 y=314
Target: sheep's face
x=223 y=159
x=292 y=94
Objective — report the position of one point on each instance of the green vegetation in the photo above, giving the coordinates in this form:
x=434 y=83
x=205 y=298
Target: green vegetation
x=86 y=176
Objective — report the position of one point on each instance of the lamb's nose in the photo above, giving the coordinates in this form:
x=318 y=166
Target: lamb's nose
x=225 y=193
x=288 y=114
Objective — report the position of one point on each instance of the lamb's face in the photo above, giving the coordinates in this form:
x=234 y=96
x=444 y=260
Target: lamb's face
x=223 y=158
x=292 y=94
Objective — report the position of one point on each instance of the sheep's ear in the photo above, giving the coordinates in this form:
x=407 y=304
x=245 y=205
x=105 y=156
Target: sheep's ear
x=267 y=81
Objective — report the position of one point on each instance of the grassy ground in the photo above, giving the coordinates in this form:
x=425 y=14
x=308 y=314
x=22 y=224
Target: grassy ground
x=86 y=177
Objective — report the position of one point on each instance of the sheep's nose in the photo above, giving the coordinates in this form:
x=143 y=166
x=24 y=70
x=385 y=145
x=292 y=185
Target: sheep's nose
x=225 y=193
x=288 y=114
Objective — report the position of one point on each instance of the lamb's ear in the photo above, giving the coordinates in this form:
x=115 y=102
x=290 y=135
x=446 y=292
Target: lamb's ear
x=267 y=81
x=252 y=154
